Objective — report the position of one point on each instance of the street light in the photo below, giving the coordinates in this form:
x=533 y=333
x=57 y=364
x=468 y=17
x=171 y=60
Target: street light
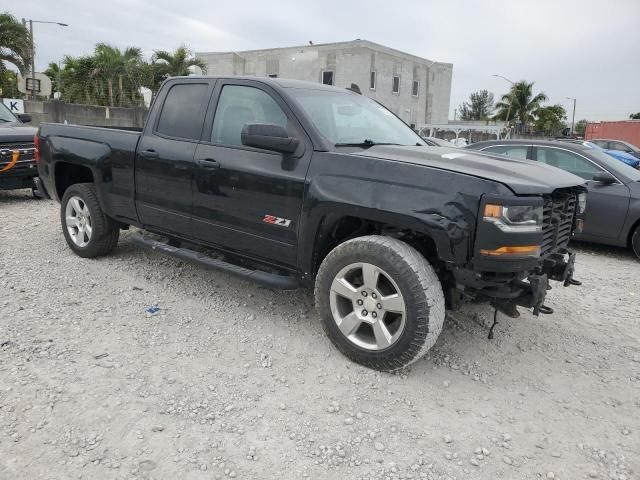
x=513 y=84
x=573 y=118
x=33 y=53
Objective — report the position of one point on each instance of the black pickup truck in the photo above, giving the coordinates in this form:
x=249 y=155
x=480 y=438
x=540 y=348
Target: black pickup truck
x=17 y=162
x=298 y=184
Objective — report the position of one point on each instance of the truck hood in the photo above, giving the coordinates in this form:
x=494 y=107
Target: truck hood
x=12 y=133
x=523 y=177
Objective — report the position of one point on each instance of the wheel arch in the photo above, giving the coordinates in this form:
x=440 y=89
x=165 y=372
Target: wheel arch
x=67 y=174
x=334 y=229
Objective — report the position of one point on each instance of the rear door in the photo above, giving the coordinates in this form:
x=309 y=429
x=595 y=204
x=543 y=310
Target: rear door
x=607 y=205
x=248 y=200
x=164 y=166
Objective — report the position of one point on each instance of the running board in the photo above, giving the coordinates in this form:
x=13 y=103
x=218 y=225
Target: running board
x=271 y=280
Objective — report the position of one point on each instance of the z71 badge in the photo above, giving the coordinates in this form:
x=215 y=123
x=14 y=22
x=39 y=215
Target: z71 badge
x=283 y=222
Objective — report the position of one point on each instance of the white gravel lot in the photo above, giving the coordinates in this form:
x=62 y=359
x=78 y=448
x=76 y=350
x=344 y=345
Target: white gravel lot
x=231 y=380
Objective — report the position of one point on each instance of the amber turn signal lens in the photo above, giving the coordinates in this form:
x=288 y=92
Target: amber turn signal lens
x=492 y=211
x=520 y=250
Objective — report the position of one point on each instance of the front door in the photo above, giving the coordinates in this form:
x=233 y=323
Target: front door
x=248 y=200
x=607 y=205
x=164 y=165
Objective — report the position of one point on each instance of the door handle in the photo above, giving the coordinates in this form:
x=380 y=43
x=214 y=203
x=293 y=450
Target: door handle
x=148 y=154
x=208 y=163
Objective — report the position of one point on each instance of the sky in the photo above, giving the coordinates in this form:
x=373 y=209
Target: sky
x=587 y=49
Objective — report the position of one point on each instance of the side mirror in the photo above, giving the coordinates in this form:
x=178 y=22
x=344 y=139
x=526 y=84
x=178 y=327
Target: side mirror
x=604 y=177
x=24 y=117
x=269 y=137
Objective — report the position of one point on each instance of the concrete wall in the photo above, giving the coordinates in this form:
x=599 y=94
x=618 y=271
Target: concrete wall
x=59 y=112
x=352 y=62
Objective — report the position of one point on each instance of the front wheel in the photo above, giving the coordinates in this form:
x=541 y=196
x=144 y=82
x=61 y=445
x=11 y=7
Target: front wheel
x=87 y=230
x=635 y=241
x=380 y=302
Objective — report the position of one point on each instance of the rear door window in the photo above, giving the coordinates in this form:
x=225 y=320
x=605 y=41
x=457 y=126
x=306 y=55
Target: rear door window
x=569 y=161
x=515 y=151
x=183 y=110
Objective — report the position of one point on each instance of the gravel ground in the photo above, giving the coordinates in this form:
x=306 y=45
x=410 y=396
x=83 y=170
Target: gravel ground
x=231 y=380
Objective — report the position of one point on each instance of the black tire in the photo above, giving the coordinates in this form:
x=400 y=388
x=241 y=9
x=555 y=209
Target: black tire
x=416 y=281
x=105 y=232
x=635 y=241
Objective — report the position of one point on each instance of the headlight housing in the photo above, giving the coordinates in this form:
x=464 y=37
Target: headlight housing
x=514 y=218
x=582 y=202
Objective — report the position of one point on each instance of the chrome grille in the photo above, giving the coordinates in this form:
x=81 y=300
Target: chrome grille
x=558 y=219
x=26 y=158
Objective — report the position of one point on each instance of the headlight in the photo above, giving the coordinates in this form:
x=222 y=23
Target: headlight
x=514 y=218
x=582 y=202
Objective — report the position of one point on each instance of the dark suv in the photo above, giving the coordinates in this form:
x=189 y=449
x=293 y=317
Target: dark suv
x=17 y=163
x=613 y=211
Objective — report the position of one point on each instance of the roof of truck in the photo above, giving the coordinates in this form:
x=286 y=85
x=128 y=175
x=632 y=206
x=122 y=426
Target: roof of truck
x=280 y=82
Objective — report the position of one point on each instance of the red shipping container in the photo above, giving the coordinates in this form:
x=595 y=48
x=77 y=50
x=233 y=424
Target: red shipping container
x=625 y=130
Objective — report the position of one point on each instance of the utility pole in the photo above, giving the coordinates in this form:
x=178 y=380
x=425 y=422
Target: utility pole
x=511 y=101
x=33 y=53
x=573 y=117
x=33 y=62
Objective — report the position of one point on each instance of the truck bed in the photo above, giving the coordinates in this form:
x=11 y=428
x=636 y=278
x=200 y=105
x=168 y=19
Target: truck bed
x=108 y=153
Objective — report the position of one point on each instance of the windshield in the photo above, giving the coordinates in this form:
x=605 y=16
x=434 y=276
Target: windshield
x=346 y=118
x=5 y=115
x=616 y=167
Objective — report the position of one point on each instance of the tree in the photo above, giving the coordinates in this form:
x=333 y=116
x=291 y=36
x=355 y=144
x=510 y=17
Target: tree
x=113 y=65
x=54 y=72
x=580 y=127
x=550 y=119
x=9 y=84
x=479 y=106
x=15 y=44
x=635 y=116
x=176 y=64
x=523 y=103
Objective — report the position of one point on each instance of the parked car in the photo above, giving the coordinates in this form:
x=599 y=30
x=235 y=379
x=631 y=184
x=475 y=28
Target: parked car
x=437 y=142
x=17 y=163
x=617 y=154
x=613 y=201
x=301 y=184
x=618 y=146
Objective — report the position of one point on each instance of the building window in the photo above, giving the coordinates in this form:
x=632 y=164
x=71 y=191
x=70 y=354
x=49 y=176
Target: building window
x=395 y=86
x=372 y=81
x=327 y=77
x=415 y=88
x=272 y=75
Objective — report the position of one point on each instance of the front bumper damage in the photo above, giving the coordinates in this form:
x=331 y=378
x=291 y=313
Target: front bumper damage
x=532 y=292
x=508 y=291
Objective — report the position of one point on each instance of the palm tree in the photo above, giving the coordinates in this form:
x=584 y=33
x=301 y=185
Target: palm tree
x=177 y=63
x=15 y=44
x=113 y=65
x=521 y=102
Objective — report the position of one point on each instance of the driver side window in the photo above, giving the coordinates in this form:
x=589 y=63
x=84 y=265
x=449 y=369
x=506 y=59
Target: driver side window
x=239 y=105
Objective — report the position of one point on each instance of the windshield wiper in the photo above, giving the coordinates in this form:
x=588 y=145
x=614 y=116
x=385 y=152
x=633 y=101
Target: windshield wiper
x=365 y=143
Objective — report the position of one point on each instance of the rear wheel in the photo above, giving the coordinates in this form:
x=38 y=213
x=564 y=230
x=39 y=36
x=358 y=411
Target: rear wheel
x=380 y=301
x=635 y=241
x=87 y=230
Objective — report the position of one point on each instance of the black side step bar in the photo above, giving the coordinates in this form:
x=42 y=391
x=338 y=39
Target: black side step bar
x=264 y=278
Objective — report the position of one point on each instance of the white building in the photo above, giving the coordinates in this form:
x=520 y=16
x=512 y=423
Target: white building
x=416 y=89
